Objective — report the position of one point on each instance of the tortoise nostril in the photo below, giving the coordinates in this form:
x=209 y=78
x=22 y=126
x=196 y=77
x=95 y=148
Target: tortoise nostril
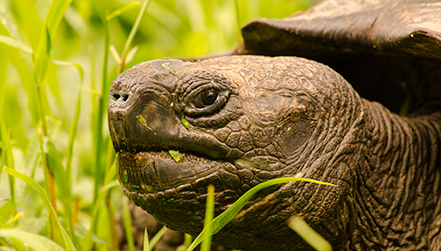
x=118 y=96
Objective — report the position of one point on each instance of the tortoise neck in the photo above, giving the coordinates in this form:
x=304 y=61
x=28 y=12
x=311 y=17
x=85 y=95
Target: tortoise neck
x=398 y=188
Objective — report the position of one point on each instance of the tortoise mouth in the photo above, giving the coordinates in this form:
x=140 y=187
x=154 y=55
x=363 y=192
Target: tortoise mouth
x=152 y=171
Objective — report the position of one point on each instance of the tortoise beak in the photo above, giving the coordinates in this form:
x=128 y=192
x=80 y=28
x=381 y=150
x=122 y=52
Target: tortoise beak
x=148 y=120
x=142 y=120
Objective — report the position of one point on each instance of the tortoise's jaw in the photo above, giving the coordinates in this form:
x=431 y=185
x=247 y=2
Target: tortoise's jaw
x=150 y=172
x=175 y=192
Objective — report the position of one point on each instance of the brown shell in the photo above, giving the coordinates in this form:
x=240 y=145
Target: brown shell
x=389 y=27
x=390 y=51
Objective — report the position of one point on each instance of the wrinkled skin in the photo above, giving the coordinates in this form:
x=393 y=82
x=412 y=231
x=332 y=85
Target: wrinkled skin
x=275 y=117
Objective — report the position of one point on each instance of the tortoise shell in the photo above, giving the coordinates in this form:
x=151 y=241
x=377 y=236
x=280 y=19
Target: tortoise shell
x=390 y=51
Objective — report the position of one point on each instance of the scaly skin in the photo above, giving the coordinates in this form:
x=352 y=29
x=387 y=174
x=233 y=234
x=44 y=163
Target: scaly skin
x=275 y=117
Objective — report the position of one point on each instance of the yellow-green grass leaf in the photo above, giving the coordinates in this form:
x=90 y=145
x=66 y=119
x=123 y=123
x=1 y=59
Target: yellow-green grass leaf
x=67 y=63
x=36 y=242
x=187 y=240
x=133 y=32
x=22 y=62
x=224 y=218
x=175 y=155
x=40 y=191
x=115 y=54
x=146 y=245
x=10 y=28
x=308 y=234
x=185 y=123
x=74 y=126
x=128 y=225
x=131 y=54
x=87 y=244
x=122 y=10
x=209 y=212
x=110 y=185
x=168 y=69
x=16 y=44
x=14 y=219
x=238 y=24
x=7 y=210
x=141 y=119
x=18 y=244
x=56 y=165
x=157 y=237
x=50 y=25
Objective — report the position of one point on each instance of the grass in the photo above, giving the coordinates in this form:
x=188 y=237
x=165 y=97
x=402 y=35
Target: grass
x=58 y=189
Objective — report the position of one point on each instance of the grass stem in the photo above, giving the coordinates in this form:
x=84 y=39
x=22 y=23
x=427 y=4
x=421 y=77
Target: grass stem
x=131 y=36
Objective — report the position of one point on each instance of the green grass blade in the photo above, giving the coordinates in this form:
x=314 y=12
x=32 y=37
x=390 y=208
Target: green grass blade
x=50 y=25
x=14 y=219
x=113 y=15
x=40 y=191
x=175 y=155
x=115 y=54
x=187 y=241
x=66 y=178
x=16 y=44
x=14 y=31
x=22 y=62
x=36 y=242
x=94 y=215
x=128 y=225
x=74 y=126
x=220 y=221
x=209 y=212
x=239 y=28
x=18 y=244
x=51 y=160
x=132 y=34
x=121 y=10
x=308 y=234
x=26 y=80
x=185 y=123
x=131 y=54
x=54 y=160
x=98 y=117
x=66 y=63
x=157 y=237
x=146 y=245
x=7 y=157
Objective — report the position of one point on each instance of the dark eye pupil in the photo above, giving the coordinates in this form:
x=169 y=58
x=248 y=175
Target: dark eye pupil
x=209 y=96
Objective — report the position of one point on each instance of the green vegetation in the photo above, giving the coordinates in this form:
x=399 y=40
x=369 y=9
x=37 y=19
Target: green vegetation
x=58 y=189
x=175 y=155
x=220 y=221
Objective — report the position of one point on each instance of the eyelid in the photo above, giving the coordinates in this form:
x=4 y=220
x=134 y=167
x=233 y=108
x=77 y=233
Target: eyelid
x=217 y=105
x=190 y=96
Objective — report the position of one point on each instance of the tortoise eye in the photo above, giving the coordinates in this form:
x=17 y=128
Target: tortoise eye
x=205 y=98
x=205 y=101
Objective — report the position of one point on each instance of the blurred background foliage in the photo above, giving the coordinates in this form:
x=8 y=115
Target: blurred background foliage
x=169 y=28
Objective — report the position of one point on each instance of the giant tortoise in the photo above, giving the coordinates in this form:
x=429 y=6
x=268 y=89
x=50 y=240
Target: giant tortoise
x=348 y=92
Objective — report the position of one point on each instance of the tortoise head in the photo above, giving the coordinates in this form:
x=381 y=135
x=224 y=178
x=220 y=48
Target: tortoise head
x=236 y=122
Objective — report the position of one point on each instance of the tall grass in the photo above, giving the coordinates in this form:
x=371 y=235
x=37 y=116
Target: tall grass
x=57 y=182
